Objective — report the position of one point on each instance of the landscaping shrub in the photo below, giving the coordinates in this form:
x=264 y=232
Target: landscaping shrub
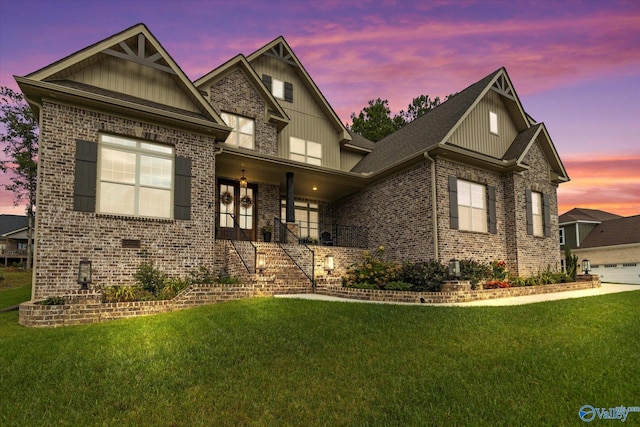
x=499 y=270
x=202 y=276
x=571 y=263
x=372 y=270
x=398 y=286
x=474 y=271
x=149 y=277
x=423 y=276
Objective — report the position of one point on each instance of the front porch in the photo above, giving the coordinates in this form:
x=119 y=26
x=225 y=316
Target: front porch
x=288 y=258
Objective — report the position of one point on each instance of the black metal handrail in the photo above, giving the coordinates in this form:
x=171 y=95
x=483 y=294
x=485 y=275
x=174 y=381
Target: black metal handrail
x=301 y=255
x=349 y=236
x=244 y=247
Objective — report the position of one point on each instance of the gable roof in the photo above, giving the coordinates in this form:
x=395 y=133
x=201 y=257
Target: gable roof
x=275 y=113
x=280 y=49
x=10 y=224
x=431 y=132
x=424 y=132
x=584 y=214
x=135 y=45
x=619 y=231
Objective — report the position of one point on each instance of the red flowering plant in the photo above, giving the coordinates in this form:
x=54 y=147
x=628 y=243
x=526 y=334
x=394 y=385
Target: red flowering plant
x=499 y=276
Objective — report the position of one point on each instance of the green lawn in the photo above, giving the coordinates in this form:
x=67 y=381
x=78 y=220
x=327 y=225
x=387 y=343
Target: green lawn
x=15 y=287
x=294 y=362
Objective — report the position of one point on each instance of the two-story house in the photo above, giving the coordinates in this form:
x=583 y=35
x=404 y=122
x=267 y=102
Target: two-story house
x=135 y=159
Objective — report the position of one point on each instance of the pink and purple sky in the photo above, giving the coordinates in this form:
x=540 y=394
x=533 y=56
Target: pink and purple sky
x=574 y=64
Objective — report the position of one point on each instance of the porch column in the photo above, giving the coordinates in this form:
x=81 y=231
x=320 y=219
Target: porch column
x=291 y=210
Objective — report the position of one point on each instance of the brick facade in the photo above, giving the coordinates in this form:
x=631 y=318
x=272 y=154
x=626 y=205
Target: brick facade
x=234 y=94
x=397 y=212
x=65 y=236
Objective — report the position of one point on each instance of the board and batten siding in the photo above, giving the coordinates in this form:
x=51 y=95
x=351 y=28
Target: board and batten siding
x=349 y=160
x=308 y=121
x=137 y=80
x=473 y=133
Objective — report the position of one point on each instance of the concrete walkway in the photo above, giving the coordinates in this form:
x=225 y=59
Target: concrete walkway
x=607 y=288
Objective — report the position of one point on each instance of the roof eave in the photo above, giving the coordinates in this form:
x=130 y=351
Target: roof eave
x=36 y=91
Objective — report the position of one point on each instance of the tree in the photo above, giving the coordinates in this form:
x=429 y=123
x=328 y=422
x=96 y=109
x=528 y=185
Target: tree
x=418 y=107
x=374 y=122
x=20 y=146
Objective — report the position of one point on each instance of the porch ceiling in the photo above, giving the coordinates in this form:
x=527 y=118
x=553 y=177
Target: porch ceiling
x=259 y=168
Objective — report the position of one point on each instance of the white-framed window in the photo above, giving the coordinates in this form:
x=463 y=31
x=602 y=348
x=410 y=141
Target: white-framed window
x=536 y=213
x=135 y=178
x=305 y=151
x=472 y=206
x=493 y=122
x=277 y=88
x=307 y=217
x=562 y=235
x=243 y=131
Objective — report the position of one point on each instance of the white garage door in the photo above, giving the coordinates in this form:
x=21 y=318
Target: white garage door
x=618 y=273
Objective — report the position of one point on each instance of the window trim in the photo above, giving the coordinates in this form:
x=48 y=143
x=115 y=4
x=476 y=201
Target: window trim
x=237 y=132
x=536 y=201
x=306 y=151
x=307 y=206
x=138 y=150
x=561 y=235
x=484 y=228
x=493 y=123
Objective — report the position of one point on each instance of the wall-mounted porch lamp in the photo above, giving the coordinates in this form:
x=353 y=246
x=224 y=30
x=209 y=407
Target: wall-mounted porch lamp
x=586 y=266
x=84 y=273
x=328 y=264
x=261 y=262
x=454 y=268
x=243 y=180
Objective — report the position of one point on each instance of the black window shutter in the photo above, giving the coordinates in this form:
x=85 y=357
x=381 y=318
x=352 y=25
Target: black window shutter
x=453 y=202
x=84 y=188
x=288 y=92
x=527 y=194
x=182 y=189
x=491 y=203
x=267 y=82
x=546 y=215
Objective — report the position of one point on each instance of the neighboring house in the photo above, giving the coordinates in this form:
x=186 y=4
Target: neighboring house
x=576 y=224
x=611 y=243
x=13 y=239
x=133 y=155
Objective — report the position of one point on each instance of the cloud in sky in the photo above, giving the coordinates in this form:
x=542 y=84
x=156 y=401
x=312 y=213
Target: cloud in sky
x=575 y=65
x=609 y=184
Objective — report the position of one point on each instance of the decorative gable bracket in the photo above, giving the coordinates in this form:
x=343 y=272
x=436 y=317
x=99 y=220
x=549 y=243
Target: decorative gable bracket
x=280 y=53
x=503 y=87
x=140 y=57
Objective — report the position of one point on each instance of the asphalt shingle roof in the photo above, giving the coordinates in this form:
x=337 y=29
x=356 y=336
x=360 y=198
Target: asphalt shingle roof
x=620 y=231
x=9 y=223
x=583 y=214
x=424 y=132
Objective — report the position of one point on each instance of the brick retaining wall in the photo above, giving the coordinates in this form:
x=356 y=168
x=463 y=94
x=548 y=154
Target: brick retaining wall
x=86 y=306
x=452 y=297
